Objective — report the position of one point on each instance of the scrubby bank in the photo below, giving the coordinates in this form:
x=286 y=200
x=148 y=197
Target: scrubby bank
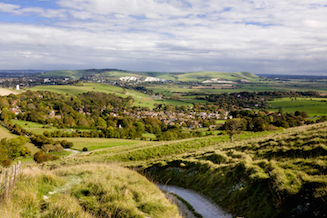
x=283 y=175
x=85 y=191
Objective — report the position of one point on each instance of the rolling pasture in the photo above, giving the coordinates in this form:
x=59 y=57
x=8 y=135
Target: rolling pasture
x=5 y=133
x=36 y=128
x=204 y=75
x=183 y=76
x=99 y=143
x=141 y=99
x=276 y=171
x=313 y=106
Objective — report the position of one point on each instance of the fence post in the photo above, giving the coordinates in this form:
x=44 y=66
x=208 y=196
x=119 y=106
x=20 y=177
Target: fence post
x=19 y=164
x=7 y=185
x=15 y=174
x=8 y=178
x=12 y=174
x=1 y=179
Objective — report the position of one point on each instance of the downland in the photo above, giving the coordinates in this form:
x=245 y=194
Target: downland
x=265 y=174
x=271 y=174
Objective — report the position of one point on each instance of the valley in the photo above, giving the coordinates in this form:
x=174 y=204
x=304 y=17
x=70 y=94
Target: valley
x=130 y=135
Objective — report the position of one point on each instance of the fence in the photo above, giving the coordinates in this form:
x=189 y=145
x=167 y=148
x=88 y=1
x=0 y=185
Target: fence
x=8 y=178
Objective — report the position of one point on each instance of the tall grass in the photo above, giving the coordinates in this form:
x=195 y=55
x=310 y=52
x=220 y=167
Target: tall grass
x=282 y=175
x=82 y=191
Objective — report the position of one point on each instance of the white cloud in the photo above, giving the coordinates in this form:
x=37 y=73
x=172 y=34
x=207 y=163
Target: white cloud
x=315 y=24
x=8 y=8
x=235 y=35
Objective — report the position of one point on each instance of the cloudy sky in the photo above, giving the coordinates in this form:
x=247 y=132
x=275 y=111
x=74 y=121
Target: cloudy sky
x=273 y=36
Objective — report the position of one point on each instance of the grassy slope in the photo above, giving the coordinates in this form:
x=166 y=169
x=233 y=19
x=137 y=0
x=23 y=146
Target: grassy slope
x=313 y=106
x=4 y=133
x=36 y=128
x=86 y=191
x=141 y=99
x=269 y=174
x=114 y=75
x=283 y=175
x=99 y=143
x=73 y=74
x=186 y=77
x=204 y=75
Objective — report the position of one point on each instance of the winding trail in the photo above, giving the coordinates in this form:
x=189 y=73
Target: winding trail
x=200 y=204
x=73 y=152
x=71 y=181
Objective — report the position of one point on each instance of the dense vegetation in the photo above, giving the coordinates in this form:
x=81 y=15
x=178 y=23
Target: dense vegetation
x=267 y=171
x=279 y=176
x=10 y=149
x=253 y=99
x=86 y=191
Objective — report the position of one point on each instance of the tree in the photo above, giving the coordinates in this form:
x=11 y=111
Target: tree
x=233 y=127
x=14 y=148
x=101 y=122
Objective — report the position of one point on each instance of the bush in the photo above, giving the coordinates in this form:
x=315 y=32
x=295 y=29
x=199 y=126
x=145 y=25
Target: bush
x=6 y=163
x=40 y=157
x=66 y=144
x=85 y=149
x=50 y=148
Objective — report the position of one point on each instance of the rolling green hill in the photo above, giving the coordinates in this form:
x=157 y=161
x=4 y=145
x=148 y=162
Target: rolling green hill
x=110 y=74
x=204 y=75
x=73 y=74
x=114 y=75
x=141 y=99
x=269 y=174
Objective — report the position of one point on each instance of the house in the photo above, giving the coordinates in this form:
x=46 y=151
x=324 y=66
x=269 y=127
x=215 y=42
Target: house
x=52 y=114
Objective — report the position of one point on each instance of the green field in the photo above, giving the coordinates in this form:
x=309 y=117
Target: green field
x=204 y=75
x=38 y=128
x=149 y=136
x=169 y=89
x=184 y=76
x=264 y=168
x=73 y=74
x=141 y=99
x=99 y=143
x=5 y=133
x=313 y=106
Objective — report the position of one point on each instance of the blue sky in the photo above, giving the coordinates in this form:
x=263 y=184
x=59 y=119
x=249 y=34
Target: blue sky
x=276 y=37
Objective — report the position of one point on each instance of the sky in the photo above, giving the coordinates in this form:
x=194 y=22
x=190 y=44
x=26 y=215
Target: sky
x=261 y=37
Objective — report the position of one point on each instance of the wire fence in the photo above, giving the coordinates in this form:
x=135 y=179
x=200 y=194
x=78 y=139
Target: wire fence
x=8 y=178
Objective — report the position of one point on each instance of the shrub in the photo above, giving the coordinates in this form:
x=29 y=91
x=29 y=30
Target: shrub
x=85 y=149
x=50 y=148
x=66 y=144
x=40 y=157
x=6 y=163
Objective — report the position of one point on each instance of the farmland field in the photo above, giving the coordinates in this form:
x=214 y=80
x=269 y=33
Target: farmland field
x=169 y=89
x=313 y=106
x=99 y=143
x=5 y=133
x=201 y=76
x=141 y=99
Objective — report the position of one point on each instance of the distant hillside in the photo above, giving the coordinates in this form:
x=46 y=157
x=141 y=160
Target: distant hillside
x=116 y=75
x=204 y=75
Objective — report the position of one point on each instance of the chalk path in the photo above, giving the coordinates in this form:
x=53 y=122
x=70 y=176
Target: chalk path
x=200 y=204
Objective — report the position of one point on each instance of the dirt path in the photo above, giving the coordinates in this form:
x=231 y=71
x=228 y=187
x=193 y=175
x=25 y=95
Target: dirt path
x=71 y=181
x=200 y=204
x=73 y=152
